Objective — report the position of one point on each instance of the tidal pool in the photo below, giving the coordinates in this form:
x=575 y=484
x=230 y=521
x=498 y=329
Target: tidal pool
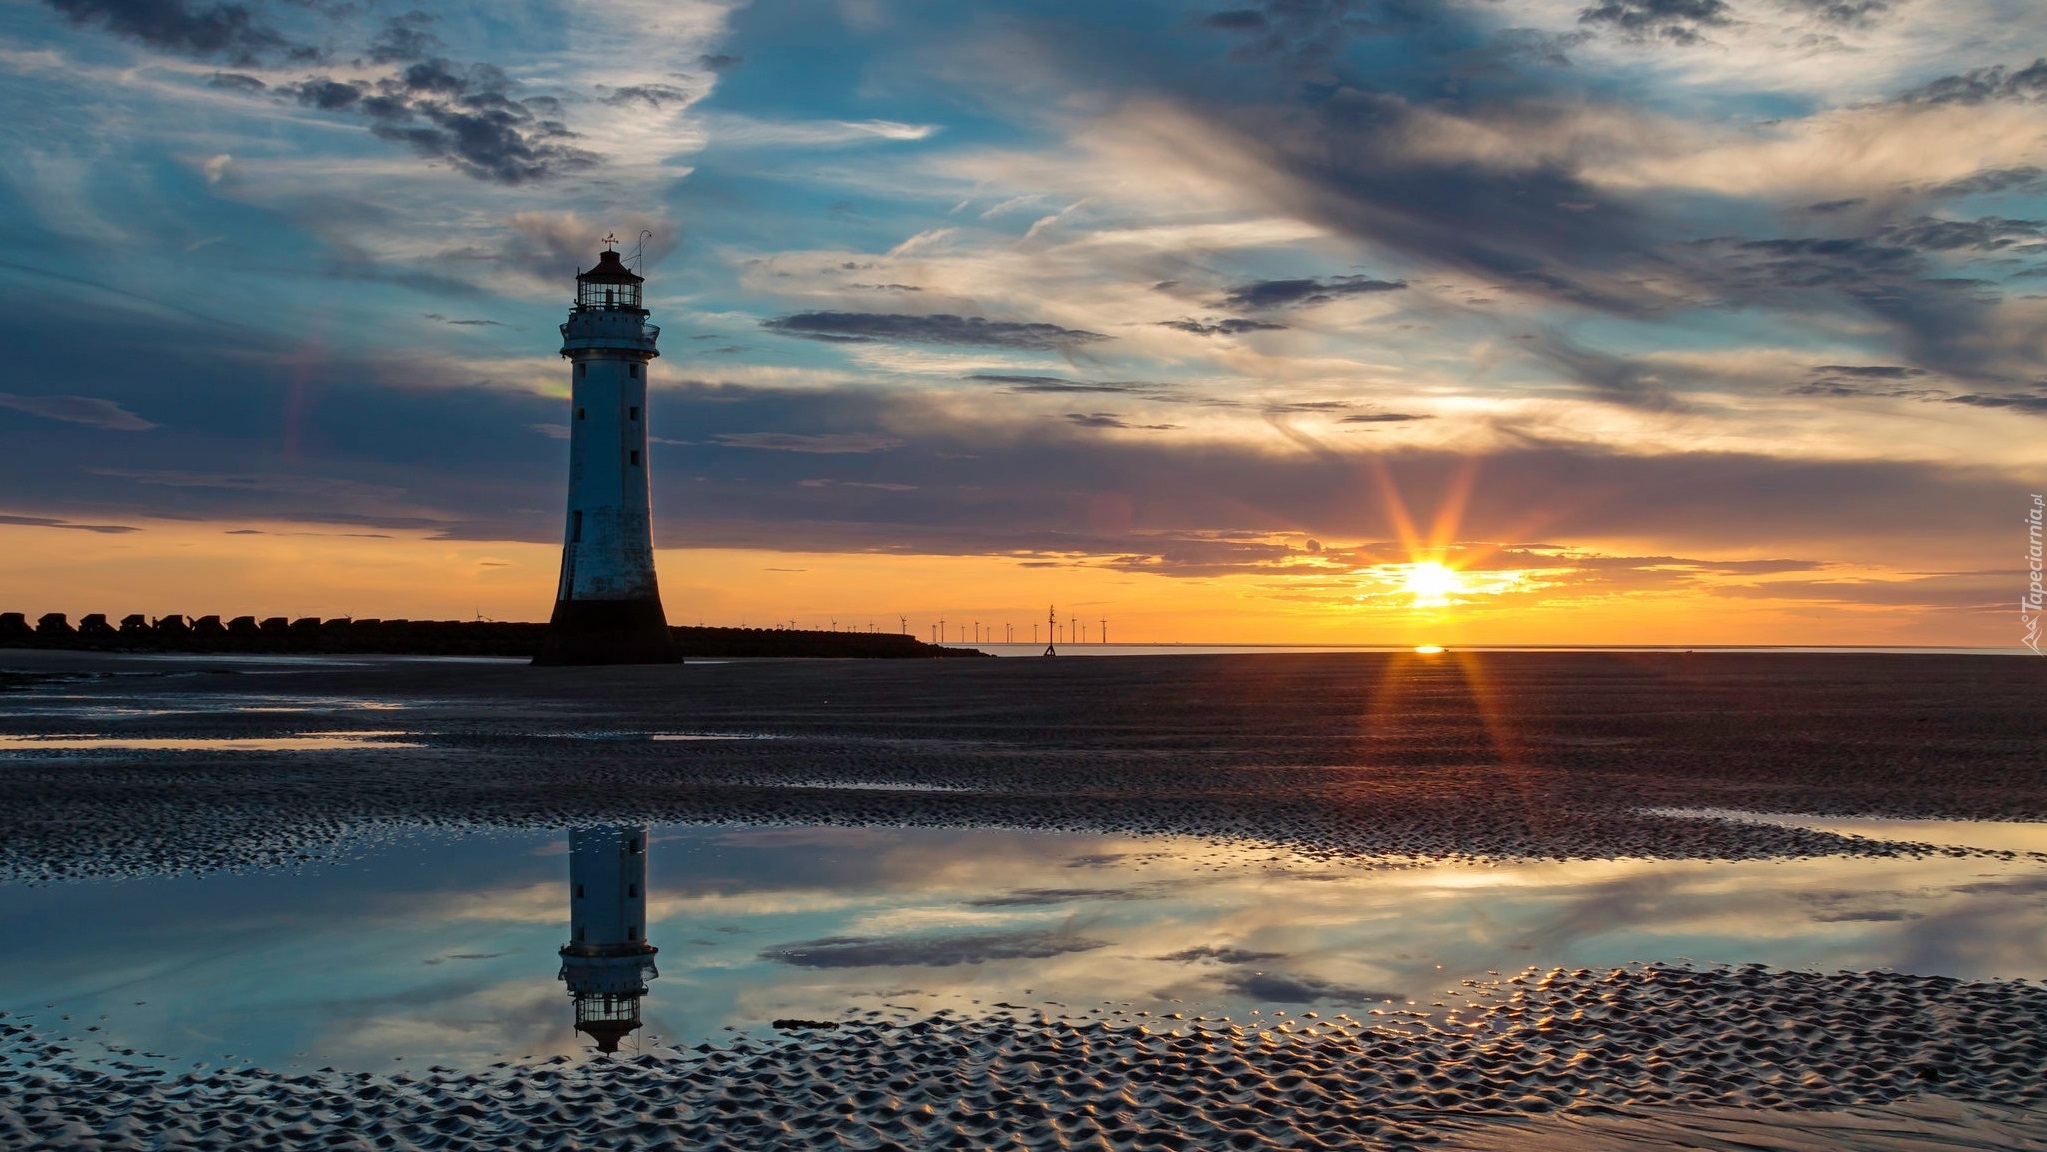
x=445 y=949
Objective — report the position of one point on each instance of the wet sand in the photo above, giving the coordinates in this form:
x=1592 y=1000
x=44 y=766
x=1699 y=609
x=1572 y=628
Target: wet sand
x=1495 y=756
x=1514 y=755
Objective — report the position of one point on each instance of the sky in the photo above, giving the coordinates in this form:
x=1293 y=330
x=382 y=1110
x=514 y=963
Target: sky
x=1315 y=321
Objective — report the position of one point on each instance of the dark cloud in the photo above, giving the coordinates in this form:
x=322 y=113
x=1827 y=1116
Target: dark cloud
x=235 y=82
x=652 y=95
x=1678 y=21
x=1990 y=181
x=1231 y=327
x=1843 y=13
x=928 y=951
x=2030 y=402
x=1265 y=294
x=1055 y=384
x=720 y=63
x=1827 y=206
x=1886 y=381
x=405 y=38
x=1236 y=20
x=1113 y=420
x=1870 y=371
x=48 y=522
x=1285 y=988
x=231 y=32
x=870 y=327
x=1380 y=418
x=1982 y=85
x=1040 y=897
x=1949 y=324
x=463 y=114
x=465 y=323
x=1988 y=233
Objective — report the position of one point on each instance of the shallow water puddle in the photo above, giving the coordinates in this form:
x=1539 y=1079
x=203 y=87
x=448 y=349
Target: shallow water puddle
x=445 y=948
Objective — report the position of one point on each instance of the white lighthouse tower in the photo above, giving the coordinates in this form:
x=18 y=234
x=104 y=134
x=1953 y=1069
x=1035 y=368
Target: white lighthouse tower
x=607 y=961
x=607 y=609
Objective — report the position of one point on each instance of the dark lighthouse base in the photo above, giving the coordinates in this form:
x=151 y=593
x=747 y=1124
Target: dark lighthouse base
x=607 y=632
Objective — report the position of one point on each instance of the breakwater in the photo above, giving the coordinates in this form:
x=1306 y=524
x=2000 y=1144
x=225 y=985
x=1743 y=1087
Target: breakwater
x=311 y=635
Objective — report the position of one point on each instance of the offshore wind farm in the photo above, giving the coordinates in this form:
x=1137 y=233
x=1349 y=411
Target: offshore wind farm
x=1338 y=575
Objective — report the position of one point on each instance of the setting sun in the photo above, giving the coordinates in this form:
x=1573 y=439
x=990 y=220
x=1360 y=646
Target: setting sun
x=1431 y=583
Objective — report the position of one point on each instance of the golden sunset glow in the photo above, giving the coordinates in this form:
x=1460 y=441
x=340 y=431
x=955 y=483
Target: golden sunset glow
x=1521 y=596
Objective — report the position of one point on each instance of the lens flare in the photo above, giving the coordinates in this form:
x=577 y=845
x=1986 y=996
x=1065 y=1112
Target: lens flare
x=1431 y=583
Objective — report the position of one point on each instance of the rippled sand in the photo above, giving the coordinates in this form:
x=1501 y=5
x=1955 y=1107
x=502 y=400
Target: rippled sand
x=1621 y=1055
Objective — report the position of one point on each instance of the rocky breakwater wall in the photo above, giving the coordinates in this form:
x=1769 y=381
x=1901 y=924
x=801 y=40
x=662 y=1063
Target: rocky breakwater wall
x=311 y=635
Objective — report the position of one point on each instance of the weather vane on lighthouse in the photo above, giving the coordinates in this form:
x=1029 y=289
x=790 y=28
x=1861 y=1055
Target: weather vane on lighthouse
x=607 y=608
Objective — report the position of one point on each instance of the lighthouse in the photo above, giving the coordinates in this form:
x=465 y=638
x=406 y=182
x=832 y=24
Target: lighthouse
x=607 y=961
x=607 y=608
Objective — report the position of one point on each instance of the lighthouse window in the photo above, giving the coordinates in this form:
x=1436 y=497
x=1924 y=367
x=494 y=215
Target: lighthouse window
x=632 y=413
x=633 y=370
x=579 y=891
x=576 y=537
x=632 y=889
x=632 y=933
x=582 y=369
x=579 y=413
x=635 y=454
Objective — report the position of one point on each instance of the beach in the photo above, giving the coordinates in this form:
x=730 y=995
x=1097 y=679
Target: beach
x=1340 y=767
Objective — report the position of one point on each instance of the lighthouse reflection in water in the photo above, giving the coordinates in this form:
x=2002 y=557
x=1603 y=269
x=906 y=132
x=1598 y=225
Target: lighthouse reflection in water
x=607 y=961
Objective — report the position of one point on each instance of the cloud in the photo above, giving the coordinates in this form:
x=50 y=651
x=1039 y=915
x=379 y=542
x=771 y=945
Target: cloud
x=820 y=443
x=1231 y=327
x=47 y=522
x=230 y=31
x=719 y=62
x=1113 y=420
x=928 y=951
x=1266 y=294
x=87 y=410
x=870 y=327
x=1380 y=418
x=463 y=114
x=1677 y=21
